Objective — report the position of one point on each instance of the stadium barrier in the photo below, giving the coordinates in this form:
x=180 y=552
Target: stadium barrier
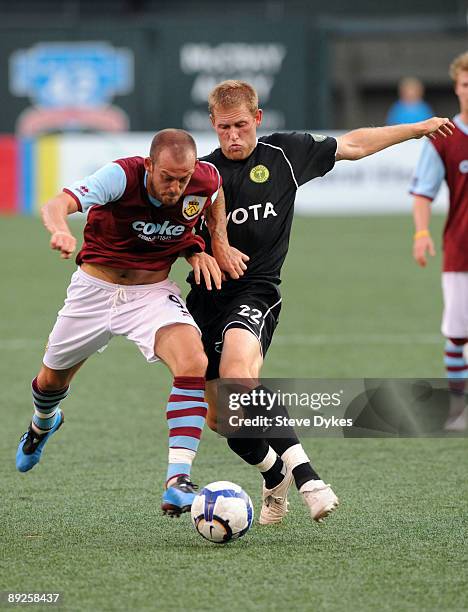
x=33 y=170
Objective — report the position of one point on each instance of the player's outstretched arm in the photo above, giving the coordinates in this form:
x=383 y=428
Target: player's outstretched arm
x=423 y=243
x=54 y=216
x=230 y=260
x=367 y=141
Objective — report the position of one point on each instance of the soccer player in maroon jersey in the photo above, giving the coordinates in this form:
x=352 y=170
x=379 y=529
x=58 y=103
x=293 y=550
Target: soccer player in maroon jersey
x=141 y=213
x=448 y=159
x=260 y=179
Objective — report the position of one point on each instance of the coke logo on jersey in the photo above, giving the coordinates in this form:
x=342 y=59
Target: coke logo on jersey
x=240 y=215
x=148 y=229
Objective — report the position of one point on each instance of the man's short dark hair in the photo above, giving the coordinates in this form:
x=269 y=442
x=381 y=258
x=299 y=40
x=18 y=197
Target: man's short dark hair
x=179 y=142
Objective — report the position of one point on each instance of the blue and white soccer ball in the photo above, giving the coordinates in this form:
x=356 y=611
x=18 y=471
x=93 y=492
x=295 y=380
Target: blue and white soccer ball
x=222 y=511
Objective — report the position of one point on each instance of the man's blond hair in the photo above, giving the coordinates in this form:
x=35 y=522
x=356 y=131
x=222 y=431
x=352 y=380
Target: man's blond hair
x=459 y=63
x=233 y=93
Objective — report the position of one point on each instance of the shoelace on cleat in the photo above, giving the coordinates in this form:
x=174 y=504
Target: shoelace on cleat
x=31 y=441
x=186 y=484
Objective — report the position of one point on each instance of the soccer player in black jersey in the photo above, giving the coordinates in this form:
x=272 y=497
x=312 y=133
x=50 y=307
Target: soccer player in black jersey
x=260 y=179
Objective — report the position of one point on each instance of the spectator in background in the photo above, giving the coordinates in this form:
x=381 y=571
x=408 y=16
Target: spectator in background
x=410 y=106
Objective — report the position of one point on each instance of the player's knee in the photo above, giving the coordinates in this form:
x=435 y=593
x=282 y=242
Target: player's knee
x=51 y=380
x=237 y=369
x=193 y=363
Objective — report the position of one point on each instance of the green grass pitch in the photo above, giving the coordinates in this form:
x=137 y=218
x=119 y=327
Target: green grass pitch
x=86 y=522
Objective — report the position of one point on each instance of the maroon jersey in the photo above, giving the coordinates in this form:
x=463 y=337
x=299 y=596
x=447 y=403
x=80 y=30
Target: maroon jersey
x=127 y=228
x=453 y=152
x=447 y=159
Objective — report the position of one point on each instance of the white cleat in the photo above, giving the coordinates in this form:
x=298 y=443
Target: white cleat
x=320 y=499
x=275 y=501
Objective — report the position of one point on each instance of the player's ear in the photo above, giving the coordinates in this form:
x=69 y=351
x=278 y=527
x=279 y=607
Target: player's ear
x=212 y=119
x=258 y=116
x=148 y=162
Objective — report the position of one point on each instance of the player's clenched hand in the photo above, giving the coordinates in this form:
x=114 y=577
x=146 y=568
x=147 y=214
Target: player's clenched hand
x=230 y=260
x=64 y=242
x=436 y=126
x=421 y=247
x=205 y=265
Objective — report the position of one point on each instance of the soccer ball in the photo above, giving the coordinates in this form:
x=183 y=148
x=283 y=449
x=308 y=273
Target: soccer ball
x=222 y=511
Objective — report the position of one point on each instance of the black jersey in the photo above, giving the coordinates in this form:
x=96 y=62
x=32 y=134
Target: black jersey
x=260 y=192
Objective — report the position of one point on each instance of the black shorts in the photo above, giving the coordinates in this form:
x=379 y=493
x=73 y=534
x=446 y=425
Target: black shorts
x=255 y=308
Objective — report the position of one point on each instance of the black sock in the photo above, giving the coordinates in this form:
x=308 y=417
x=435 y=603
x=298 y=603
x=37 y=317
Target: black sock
x=304 y=472
x=280 y=445
x=253 y=451
x=275 y=474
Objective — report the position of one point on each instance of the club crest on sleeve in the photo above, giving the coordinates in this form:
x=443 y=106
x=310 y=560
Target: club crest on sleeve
x=192 y=206
x=318 y=137
x=259 y=174
x=463 y=167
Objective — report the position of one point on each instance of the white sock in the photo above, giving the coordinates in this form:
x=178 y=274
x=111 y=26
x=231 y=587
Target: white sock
x=179 y=462
x=294 y=456
x=268 y=462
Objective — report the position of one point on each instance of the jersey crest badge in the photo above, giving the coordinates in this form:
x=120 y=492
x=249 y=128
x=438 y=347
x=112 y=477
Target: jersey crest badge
x=192 y=206
x=259 y=174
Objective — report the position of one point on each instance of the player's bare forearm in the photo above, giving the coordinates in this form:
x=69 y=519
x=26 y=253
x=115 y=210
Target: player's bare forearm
x=216 y=221
x=229 y=259
x=54 y=217
x=54 y=213
x=367 y=141
x=422 y=241
x=421 y=213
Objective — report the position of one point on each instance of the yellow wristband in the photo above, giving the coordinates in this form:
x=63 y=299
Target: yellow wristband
x=421 y=234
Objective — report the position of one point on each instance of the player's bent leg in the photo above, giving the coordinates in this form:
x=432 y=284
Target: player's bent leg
x=49 y=388
x=318 y=497
x=298 y=467
x=180 y=347
x=241 y=356
x=241 y=359
x=50 y=379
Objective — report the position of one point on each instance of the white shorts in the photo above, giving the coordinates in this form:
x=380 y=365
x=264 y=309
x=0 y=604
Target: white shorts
x=95 y=311
x=455 y=317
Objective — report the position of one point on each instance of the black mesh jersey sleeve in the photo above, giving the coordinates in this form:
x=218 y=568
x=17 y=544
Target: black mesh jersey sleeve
x=309 y=155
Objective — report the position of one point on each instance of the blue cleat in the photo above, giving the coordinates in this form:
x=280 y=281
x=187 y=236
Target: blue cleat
x=31 y=444
x=178 y=498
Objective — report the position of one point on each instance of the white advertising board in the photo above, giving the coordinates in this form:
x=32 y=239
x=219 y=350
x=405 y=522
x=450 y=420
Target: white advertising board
x=375 y=185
